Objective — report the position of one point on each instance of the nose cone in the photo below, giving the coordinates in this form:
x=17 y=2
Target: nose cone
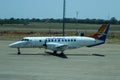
x=16 y=44
x=12 y=45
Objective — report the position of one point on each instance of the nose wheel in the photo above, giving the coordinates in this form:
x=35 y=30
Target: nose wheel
x=19 y=51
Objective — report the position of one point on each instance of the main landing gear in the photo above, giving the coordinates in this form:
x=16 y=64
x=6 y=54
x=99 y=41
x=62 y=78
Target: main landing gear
x=55 y=52
x=19 y=51
x=62 y=55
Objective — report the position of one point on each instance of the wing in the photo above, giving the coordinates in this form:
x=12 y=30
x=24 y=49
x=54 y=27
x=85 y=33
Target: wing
x=56 y=46
x=61 y=46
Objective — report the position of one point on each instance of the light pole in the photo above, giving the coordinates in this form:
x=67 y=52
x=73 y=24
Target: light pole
x=64 y=7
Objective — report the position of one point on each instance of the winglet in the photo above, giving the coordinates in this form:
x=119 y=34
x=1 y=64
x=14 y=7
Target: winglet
x=102 y=32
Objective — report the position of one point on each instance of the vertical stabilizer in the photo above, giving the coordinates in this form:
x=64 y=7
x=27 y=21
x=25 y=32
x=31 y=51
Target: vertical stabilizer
x=102 y=32
x=100 y=35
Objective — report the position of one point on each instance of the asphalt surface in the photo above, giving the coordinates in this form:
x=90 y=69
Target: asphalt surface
x=97 y=63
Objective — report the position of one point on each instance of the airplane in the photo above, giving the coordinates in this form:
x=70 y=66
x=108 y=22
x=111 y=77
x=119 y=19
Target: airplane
x=63 y=43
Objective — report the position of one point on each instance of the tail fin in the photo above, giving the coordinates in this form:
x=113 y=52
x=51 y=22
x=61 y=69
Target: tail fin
x=102 y=32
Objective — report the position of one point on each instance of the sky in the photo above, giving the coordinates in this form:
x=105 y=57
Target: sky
x=81 y=9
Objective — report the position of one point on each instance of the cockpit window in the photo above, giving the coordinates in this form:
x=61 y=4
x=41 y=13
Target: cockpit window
x=25 y=40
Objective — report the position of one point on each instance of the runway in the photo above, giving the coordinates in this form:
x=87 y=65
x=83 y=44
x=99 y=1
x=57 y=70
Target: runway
x=96 y=63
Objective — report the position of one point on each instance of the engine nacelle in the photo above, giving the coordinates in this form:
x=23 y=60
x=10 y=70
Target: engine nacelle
x=51 y=45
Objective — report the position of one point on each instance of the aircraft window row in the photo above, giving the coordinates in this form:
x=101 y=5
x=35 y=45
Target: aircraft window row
x=60 y=40
x=25 y=40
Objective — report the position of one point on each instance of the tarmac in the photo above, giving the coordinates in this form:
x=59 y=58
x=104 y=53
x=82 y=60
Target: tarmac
x=96 y=63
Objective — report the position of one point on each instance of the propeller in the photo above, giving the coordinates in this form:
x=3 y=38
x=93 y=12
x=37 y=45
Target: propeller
x=45 y=44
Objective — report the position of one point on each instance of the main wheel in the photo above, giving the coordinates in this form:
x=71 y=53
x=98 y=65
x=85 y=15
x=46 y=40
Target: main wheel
x=55 y=52
x=19 y=53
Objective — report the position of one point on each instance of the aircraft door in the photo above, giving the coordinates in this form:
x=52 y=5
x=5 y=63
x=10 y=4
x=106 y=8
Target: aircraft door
x=34 y=43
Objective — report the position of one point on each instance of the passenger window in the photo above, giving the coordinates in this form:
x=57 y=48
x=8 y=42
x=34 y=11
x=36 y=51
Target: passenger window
x=40 y=40
x=65 y=40
x=62 y=40
x=49 y=40
x=52 y=40
x=58 y=40
x=74 y=40
x=68 y=40
x=55 y=40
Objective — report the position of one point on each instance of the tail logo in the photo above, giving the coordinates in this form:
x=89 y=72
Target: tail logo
x=102 y=32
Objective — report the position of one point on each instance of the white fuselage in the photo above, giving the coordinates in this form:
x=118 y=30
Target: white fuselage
x=71 y=42
x=64 y=42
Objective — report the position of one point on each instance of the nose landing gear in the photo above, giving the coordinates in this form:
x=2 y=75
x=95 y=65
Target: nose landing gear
x=19 y=51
